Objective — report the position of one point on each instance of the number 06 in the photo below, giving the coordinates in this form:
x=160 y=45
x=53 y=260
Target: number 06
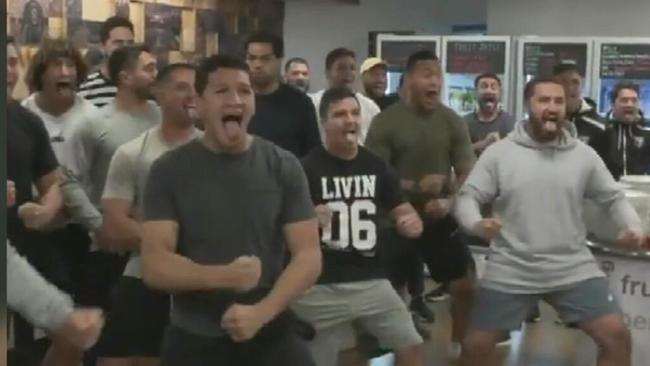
x=350 y=222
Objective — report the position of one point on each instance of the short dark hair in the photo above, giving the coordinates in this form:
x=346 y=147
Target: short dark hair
x=486 y=75
x=213 y=64
x=269 y=38
x=295 y=60
x=529 y=90
x=124 y=58
x=112 y=23
x=336 y=54
x=166 y=72
x=49 y=51
x=565 y=66
x=331 y=96
x=624 y=85
x=422 y=55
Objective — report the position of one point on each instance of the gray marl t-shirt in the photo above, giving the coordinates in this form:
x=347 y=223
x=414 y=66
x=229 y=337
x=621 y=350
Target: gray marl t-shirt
x=128 y=173
x=226 y=206
x=478 y=130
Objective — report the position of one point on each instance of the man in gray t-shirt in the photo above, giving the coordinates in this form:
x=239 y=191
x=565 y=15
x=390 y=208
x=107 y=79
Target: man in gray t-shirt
x=489 y=123
x=139 y=316
x=130 y=114
x=219 y=216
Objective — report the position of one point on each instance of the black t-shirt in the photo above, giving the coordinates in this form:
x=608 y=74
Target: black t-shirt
x=386 y=101
x=287 y=118
x=29 y=157
x=358 y=192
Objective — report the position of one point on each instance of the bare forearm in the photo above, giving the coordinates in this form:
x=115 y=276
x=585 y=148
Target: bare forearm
x=52 y=200
x=123 y=233
x=173 y=273
x=299 y=276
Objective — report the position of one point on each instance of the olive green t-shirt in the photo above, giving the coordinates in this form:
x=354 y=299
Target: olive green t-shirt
x=418 y=145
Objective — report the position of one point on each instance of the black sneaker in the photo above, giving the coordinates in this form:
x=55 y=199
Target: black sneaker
x=439 y=293
x=421 y=309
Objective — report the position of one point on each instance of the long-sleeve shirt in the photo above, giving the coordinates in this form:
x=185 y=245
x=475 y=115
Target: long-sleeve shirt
x=29 y=294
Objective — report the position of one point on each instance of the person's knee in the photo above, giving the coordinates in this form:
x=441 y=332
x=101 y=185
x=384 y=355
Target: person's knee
x=479 y=343
x=409 y=355
x=462 y=288
x=613 y=337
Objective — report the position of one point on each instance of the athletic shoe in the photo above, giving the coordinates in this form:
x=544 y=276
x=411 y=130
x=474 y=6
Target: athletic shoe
x=439 y=293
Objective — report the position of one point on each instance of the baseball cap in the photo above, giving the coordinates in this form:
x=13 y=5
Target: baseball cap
x=371 y=62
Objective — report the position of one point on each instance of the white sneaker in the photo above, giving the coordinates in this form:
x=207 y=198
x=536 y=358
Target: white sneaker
x=454 y=350
x=506 y=342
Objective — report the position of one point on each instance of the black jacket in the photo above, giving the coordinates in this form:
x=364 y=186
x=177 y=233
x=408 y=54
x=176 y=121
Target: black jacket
x=628 y=148
x=590 y=126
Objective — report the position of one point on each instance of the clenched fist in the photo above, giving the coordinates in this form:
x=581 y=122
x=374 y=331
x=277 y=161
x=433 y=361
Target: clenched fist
x=242 y=322
x=410 y=225
x=487 y=229
x=438 y=208
x=631 y=239
x=246 y=272
x=34 y=216
x=83 y=327
x=324 y=215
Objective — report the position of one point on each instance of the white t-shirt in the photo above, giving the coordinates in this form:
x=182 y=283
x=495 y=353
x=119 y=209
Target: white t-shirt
x=127 y=176
x=369 y=110
x=60 y=128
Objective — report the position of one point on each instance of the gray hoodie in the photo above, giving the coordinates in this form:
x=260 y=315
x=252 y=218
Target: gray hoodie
x=537 y=191
x=32 y=296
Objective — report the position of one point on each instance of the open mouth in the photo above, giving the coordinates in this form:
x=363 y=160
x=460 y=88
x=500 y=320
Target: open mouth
x=351 y=135
x=232 y=125
x=432 y=94
x=551 y=121
x=63 y=85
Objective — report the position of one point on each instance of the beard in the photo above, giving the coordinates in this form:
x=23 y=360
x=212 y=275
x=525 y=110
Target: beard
x=302 y=85
x=548 y=127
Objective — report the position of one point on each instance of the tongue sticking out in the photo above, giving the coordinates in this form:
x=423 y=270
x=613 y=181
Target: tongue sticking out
x=232 y=129
x=550 y=126
x=351 y=136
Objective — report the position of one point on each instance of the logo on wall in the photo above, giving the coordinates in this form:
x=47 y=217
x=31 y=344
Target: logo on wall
x=608 y=267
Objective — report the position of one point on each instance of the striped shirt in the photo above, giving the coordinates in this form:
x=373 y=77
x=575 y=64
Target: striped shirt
x=98 y=90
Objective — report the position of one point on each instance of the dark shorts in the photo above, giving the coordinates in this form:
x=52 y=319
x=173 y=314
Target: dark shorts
x=269 y=348
x=447 y=257
x=59 y=256
x=584 y=301
x=136 y=321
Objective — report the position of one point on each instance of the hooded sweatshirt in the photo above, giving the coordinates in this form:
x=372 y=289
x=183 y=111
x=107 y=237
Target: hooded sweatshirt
x=628 y=148
x=537 y=191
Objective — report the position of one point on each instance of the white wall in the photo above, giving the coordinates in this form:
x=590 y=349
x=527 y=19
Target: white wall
x=629 y=18
x=312 y=28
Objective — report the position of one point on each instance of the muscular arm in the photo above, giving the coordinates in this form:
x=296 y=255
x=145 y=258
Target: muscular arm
x=49 y=191
x=120 y=230
x=165 y=270
x=303 y=269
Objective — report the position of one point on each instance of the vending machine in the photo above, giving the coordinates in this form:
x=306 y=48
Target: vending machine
x=621 y=59
x=395 y=50
x=536 y=56
x=466 y=57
